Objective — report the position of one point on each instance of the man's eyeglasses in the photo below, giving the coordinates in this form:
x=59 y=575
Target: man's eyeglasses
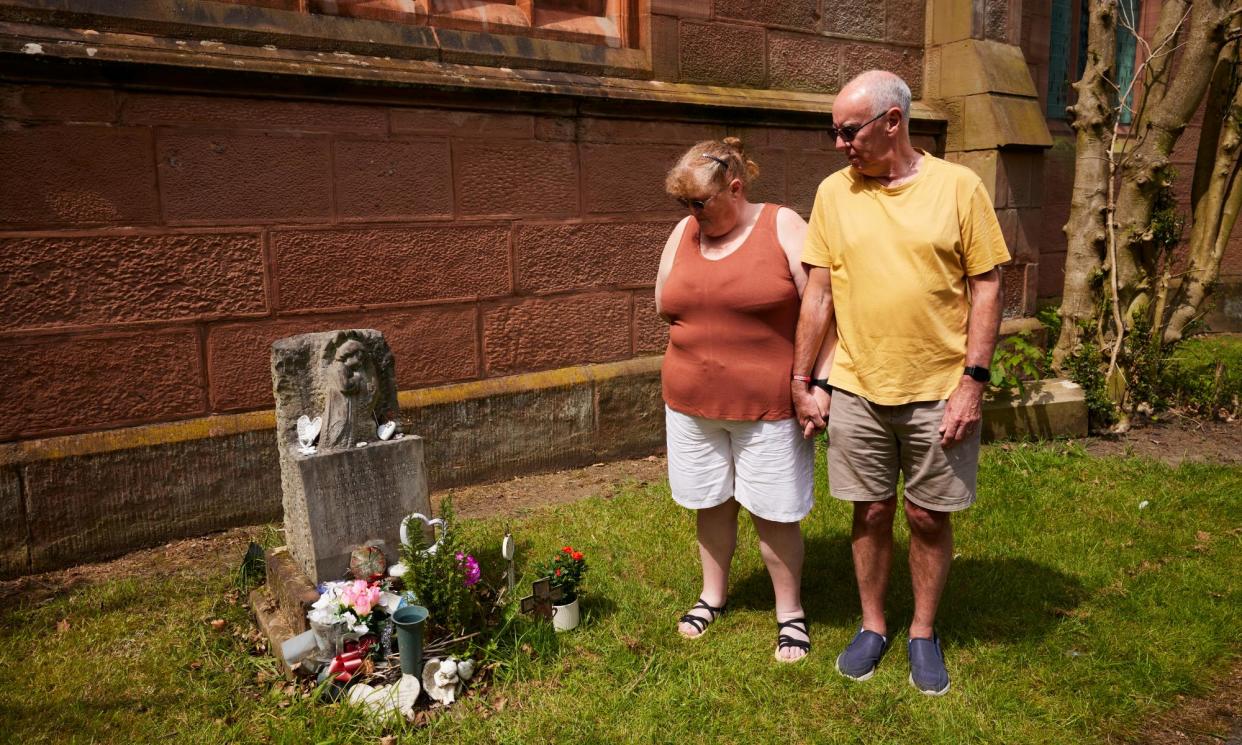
x=848 y=133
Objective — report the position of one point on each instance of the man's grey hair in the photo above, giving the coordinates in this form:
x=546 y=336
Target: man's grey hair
x=887 y=90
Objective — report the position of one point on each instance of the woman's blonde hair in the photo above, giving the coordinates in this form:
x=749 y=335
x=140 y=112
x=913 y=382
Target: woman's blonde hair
x=710 y=162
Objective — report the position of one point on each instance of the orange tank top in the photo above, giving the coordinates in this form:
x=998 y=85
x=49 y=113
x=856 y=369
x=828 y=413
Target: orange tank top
x=730 y=347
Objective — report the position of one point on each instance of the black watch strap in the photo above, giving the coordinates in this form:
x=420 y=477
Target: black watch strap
x=821 y=384
x=979 y=373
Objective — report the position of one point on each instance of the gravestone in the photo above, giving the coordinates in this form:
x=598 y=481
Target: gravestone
x=351 y=487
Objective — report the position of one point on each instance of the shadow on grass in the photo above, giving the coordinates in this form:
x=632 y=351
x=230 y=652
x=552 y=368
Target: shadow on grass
x=987 y=599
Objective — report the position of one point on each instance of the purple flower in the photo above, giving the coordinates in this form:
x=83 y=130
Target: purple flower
x=470 y=567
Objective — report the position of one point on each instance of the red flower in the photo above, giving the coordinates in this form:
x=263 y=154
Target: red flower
x=567 y=549
x=576 y=555
x=558 y=572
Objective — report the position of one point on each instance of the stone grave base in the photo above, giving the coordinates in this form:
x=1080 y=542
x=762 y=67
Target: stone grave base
x=281 y=605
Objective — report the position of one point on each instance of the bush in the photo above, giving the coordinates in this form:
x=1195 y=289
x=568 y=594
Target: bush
x=1204 y=376
x=442 y=581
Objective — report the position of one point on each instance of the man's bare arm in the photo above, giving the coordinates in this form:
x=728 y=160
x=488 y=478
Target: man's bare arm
x=964 y=409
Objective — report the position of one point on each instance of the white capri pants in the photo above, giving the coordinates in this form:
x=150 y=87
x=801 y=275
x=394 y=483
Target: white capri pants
x=767 y=466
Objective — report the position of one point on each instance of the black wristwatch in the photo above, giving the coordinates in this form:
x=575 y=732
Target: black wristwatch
x=822 y=384
x=978 y=373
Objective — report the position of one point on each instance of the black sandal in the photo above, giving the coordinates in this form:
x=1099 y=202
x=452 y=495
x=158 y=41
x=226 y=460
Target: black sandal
x=785 y=641
x=699 y=623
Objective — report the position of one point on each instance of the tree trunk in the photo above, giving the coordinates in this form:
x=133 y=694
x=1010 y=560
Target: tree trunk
x=1217 y=195
x=1086 y=236
x=1166 y=110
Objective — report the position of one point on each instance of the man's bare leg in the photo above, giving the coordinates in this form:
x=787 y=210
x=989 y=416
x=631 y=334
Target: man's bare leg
x=931 y=553
x=872 y=545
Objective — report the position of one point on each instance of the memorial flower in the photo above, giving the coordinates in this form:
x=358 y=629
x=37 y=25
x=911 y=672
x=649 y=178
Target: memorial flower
x=565 y=570
x=469 y=568
x=352 y=604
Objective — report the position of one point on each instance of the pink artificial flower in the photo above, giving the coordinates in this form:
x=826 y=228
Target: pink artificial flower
x=360 y=596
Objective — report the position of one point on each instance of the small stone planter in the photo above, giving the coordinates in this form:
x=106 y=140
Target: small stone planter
x=566 y=617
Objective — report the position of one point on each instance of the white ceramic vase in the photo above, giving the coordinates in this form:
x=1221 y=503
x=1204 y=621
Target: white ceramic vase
x=565 y=617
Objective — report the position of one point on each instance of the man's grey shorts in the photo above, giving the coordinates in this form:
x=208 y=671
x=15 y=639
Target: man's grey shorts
x=870 y=444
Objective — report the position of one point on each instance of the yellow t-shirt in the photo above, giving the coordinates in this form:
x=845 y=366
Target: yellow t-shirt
x=899 y=260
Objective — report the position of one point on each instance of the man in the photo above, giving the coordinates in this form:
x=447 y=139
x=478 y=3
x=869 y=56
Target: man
x=902 y=247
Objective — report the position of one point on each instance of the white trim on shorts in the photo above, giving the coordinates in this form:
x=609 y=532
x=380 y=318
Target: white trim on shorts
x=767 y=466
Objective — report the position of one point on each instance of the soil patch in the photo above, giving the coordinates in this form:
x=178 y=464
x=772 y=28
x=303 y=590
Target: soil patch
x=1176 y=441
x=1214 y=719
x=520 y=496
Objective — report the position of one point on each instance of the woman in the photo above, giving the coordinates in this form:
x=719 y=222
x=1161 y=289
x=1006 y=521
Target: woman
x=730 y=282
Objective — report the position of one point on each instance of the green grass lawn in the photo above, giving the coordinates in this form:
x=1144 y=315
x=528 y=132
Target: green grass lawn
x=1071 y=615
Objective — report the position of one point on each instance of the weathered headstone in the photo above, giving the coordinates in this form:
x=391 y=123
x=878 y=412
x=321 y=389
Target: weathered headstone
x=353 y=487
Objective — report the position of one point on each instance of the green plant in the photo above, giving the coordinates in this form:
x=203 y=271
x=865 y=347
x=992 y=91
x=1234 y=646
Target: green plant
x=565 y=570
x=1016 y=360
x=440 y=579
x=1204 y=376
x=1084 y=367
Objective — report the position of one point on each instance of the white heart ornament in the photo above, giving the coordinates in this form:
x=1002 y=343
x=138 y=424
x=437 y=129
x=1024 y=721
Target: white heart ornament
x=398 y=569
x=308 y=432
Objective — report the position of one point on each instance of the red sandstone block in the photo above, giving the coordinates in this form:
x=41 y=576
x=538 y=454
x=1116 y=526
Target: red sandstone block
x=751 y=137
x=554 y=332
x=1051 y=270
x=683 y=8
x=641 y=131
x=1058 y=171
x=791 y=13
x=1052 y=228
x=802 y=139
x=628 y=178
x=905 y=62
x=664 y=48
x=1022 y=229
x=392 y=178
x=1022 y=179
x=996 y=21
x=770 y=186
x=803 y=62
x=1018 y=290
x=80 y=175
x=556 y=129
x=433 y=345
x=650 y=330
x=520 y=178
x=906 y=21
x=463 y=123
x=1231 y=261
x=253 y=177
x=928 y=143
x=859 y=19
x=572 y=256
x=806 y=171
x=58 y=104
x=724 y=54
x=267 y=114
x=48 y=282
x=353 y=268
x=68 y=384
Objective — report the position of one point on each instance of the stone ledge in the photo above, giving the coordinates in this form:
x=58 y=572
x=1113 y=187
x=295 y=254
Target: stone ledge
x=100 y=495
x=20 y=41
x=1045 y=409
